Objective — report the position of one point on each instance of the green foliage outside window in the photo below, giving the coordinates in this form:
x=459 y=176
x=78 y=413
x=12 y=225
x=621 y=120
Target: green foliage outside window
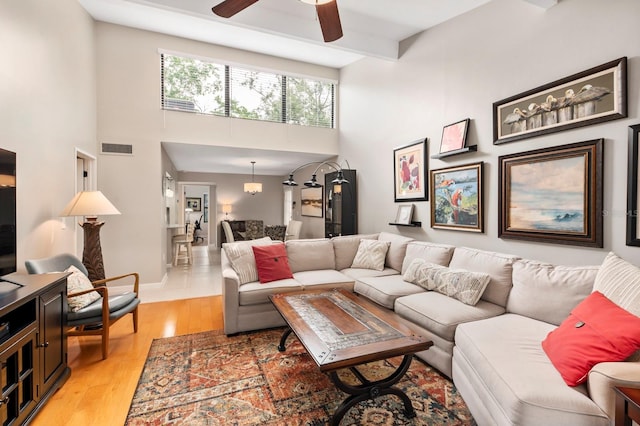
x=201 y=87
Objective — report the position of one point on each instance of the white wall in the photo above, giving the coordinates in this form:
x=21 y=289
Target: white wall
x=47 y=109
x=457 y=70
x=129 y=112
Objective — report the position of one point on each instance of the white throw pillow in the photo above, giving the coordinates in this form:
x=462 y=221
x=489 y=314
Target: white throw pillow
x=466 y=286
x=619 y=281
x=77 y=282
x=423 y=273
x=240 y=255
x=371 y=254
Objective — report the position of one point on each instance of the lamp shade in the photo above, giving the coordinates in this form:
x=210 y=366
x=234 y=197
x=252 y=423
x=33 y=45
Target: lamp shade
x=226 y=208
x=252 y=187
x=90 y=204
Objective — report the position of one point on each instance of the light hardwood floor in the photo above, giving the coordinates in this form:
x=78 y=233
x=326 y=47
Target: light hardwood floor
x=99 y=392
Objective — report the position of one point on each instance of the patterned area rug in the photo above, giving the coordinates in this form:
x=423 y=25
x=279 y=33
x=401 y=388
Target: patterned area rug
x=210 y=379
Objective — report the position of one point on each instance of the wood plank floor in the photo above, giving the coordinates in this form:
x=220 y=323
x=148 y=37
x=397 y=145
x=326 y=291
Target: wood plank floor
x=99 y=392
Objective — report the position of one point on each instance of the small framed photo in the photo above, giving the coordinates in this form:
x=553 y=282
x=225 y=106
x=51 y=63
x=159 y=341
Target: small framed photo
x=194 y=203
x=405 y=214
x=409 y=172
x=454 y=136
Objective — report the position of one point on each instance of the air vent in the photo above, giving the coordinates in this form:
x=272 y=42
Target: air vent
x=117 y=148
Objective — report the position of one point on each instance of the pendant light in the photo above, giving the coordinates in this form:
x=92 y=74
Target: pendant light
x=253 y=187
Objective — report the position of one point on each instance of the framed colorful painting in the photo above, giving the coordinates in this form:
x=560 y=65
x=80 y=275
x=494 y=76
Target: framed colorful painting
x=409 y=171
x=553 y=195
x=456 y=198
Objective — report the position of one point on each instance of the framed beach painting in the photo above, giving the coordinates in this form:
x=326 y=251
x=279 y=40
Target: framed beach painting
x=409 y=170
x=553 y=195
x=456 y=198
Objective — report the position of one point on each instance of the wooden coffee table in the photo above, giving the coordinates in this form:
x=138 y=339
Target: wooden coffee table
x=342 y=330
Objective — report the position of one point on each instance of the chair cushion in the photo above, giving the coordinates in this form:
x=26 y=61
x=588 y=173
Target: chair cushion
x=272 y=263
x=597 y=330
x=371 y=254
x=94 y=310
x=77 y=282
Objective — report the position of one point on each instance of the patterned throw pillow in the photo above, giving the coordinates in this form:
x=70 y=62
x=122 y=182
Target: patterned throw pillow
x=242 y=260
x=371 y=254
x=77 y=282
x=466 y=286
x=423 y=273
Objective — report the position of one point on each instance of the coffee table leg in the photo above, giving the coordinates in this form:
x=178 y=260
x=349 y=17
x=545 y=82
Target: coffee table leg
x=283 y=339
x=371 y=390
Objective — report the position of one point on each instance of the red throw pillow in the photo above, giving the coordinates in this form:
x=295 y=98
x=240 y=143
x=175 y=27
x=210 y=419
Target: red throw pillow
x=272 y=263
x=597 y=330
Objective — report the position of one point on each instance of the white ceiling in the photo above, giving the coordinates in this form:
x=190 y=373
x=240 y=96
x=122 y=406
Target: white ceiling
x=284 y=28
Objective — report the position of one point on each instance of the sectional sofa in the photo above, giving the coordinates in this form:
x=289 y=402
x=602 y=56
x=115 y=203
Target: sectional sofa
x=487 y=331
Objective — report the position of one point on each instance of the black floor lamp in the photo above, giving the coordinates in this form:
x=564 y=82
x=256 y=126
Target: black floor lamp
x=91 y=204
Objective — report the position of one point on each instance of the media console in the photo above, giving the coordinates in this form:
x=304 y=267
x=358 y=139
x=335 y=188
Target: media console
x=33 y=343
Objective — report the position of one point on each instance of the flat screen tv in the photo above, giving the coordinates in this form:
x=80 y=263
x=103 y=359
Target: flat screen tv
x=7 y=212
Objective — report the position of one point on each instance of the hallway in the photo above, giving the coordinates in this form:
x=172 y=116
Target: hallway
x=201 y=279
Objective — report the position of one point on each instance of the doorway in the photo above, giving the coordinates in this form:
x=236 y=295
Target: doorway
x=196 y=199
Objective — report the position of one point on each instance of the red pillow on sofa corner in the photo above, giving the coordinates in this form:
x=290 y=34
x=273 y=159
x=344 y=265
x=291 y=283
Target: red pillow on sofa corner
x=272 y=263
x=597 y=330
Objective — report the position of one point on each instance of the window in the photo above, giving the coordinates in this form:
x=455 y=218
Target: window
x=199 y=86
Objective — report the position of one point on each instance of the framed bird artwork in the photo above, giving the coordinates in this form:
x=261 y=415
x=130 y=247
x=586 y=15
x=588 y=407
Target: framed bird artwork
x=593 y=96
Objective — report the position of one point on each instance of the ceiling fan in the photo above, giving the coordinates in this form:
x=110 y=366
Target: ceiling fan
x=327 y=11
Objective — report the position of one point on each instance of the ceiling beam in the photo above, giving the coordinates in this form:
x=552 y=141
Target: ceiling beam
x=545 y=4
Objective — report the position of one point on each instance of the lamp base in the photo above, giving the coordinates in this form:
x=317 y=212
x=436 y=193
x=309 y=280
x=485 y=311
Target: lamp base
x=92 y=253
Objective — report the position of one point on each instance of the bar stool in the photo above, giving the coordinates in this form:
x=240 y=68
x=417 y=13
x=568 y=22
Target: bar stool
x=180 y=241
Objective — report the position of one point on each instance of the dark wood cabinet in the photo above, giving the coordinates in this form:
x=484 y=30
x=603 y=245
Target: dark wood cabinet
x=33 y=343
x=341 y=205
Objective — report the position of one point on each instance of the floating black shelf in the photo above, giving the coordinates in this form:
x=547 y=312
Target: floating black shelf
x=456 y=152
x=412 y=224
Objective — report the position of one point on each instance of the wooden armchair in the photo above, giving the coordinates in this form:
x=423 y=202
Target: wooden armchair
x=96 y=318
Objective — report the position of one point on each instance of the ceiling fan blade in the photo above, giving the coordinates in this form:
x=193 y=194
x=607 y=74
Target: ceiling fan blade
x=329 y=21
x=228 y=8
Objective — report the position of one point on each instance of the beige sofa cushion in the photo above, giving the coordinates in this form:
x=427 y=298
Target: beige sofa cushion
x=371 y=254
x=346 y=246
x=440 y=254
x=397 y=249
x=385 y=290
x=549 y=292
x=240 y=255
x=310 y=255
x=255 y=293
x=499 y=266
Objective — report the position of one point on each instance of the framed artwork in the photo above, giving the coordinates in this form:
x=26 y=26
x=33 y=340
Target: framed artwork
x=312 y=201
x=553 y=195
x=457 y=199
x=194 y=203
x=409 y=171
x=404 y=215
x=589 y=97
x=454 y=136
x=633 y=188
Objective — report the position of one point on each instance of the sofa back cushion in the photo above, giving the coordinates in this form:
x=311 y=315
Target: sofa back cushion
x=498 y=266
x=346 y=247
x=619 y=281
x=397 y=249
x=310 y=254
x=549 y=292
x=440 y=254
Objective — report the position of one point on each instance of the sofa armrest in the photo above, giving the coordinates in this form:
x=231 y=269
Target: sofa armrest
x=605 y=376
x=230 y=299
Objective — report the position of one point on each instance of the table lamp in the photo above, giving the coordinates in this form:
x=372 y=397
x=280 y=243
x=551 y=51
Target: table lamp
x=91 y=204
